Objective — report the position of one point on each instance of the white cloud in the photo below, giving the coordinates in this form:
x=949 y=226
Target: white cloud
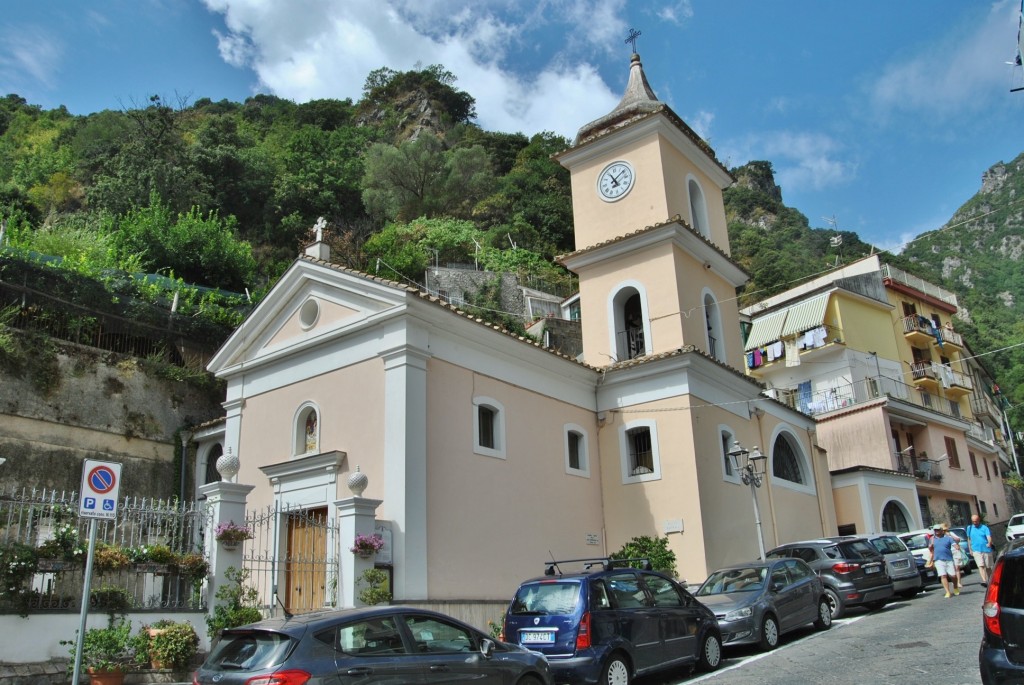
x=802 y=161
x=27 y=54
x=955 y=75
x=323 y=49
x=701 y=123
x=675 y=12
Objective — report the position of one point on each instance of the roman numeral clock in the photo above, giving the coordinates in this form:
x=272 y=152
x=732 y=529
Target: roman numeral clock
x=615 y=181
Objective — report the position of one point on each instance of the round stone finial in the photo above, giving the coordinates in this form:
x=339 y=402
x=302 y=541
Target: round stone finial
x=357 y=482
x=227 y=466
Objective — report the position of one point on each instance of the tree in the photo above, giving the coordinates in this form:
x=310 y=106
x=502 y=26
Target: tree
x=422 y=178
x=654 y=550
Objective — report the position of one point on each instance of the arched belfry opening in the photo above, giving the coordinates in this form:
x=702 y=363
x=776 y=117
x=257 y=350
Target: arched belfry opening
x=630 y=341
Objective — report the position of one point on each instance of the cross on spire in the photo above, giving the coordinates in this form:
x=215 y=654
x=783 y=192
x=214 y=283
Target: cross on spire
x=633 y=35
x=319 y=226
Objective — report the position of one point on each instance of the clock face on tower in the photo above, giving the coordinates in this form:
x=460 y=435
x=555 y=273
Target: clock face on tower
x=615 y=181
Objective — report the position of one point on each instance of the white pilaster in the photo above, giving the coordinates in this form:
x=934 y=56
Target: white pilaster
x=405 y=459
x=356 y=516
x=227 y=503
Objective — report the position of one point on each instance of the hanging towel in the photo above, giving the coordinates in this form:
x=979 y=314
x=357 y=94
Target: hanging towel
x=820 y=335
x=792 y=352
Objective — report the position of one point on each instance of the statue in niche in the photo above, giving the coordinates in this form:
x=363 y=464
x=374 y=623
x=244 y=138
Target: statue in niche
x=311 y=432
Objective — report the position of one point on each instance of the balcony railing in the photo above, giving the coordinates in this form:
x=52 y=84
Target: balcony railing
x=851 y=394
x=919 y=284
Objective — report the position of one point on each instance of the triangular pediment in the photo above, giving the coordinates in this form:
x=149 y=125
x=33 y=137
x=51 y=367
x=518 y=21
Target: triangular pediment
x=312 y=302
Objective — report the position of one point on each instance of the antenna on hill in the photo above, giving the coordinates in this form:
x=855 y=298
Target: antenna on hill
x=836 y=240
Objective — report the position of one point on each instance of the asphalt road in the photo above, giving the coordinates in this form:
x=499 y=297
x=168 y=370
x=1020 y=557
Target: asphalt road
x=928 y=639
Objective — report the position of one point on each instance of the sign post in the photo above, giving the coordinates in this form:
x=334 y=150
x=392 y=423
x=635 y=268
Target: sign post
x=101 y=482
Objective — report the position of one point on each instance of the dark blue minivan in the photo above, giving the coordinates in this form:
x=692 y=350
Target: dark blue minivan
x=609 y=623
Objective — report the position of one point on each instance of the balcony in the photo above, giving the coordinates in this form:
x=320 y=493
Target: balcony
x=849 y=395
x=982 y=434
x=925 y=375
x=819 y=341
x=918 y=330
x=928 y=470
x=956 y=384
x=919 y=284
x=947 y=336
x=983 y=407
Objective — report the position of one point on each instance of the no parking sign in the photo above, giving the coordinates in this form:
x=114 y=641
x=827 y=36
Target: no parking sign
x=101 y=481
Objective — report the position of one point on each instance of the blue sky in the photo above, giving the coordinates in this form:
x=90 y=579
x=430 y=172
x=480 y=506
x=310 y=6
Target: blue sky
x=881 y=114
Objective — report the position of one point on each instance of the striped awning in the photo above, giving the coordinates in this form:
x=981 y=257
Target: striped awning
x=806 y=315
x=766 y=329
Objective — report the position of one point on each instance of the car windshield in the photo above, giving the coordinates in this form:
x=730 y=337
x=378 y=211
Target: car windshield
x=543 y=598
x=1016 y=520
x=728 y=580
x=888 y=545
x=249 y=651
x=919 y=541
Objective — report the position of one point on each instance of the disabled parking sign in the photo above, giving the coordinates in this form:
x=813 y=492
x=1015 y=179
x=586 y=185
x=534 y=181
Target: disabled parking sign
x=101 y=481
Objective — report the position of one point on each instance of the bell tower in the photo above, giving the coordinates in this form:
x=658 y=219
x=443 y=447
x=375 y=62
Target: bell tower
x=652 y=245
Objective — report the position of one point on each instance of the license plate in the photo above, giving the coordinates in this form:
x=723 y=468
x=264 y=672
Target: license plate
x=536 y=637
x=901 y=564
x=872 y=569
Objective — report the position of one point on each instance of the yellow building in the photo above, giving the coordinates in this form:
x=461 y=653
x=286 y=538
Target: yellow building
x=872 y=353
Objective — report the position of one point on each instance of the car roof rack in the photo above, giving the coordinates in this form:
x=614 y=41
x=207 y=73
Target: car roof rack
x=552 y=567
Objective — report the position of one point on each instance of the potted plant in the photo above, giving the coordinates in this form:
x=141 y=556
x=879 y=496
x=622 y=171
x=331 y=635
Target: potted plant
x=367 y=545
x=230 y=534
x=106 y=652
x=169 y=644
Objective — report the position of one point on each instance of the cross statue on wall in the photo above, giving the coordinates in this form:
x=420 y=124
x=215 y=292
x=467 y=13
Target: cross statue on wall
x=320 y=225
x=633 y=35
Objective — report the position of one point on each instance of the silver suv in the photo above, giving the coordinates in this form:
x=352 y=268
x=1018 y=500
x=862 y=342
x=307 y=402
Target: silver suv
x=899 y=562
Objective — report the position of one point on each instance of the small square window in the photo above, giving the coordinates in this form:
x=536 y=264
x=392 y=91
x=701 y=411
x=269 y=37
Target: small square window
x=488 y=427
x=639 y=448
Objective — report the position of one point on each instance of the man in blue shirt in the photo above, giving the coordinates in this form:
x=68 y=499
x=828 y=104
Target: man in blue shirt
x=941 y=547
x=979 y=543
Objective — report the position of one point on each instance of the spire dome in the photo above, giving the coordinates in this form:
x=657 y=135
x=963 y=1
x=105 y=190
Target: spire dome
x=639 y=98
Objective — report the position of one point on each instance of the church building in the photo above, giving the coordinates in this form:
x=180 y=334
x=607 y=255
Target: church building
x=488 y=453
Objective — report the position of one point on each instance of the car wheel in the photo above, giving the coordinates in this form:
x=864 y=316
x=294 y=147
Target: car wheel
x=710 y=657
x=824 y=621
x=769 y=633
x=616 y=671
x=835 y=604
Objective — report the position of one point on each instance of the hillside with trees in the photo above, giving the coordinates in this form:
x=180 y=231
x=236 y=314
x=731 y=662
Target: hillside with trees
x=216 y=198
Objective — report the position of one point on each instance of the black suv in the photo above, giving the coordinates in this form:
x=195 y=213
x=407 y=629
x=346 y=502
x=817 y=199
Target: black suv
x=609 y=623
x=852 y=571
x=1002 y=645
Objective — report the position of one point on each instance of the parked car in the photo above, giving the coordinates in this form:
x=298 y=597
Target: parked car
x=1015 y=527
x=852 y=571
x=900 y=563
x=1000 y=657
x=368 y=645
x=608 y=623
x=927 y=573
x=917 y=542
x=756 y=603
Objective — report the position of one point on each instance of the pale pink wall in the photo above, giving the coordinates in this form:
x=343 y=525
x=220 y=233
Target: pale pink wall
x=351 y=403
x=677 y=170
x=330 y=313
x=492 y=522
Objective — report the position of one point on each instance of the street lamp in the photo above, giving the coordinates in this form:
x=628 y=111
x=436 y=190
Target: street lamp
x=751 y=473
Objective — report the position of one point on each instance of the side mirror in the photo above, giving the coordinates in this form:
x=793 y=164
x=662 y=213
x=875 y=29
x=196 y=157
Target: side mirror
x=487 y=647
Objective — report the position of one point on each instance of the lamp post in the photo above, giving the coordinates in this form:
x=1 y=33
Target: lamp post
x=751 y=472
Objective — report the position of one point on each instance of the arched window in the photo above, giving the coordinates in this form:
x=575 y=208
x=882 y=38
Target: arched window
x=641 y=460
x=894 y=518
x=212 y=474
x=698 y=208
x=713 y=323
x=727 y=438
x=488 y=427
x=786 y=461
x=629 y=323
x=307 y=430
x=577 y=461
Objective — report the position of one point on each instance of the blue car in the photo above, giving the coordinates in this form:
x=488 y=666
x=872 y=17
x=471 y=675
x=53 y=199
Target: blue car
x=609 y=623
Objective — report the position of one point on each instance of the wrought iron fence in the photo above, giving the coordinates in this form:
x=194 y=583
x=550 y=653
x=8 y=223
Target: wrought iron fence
x=149 y=557
x=292 y=558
